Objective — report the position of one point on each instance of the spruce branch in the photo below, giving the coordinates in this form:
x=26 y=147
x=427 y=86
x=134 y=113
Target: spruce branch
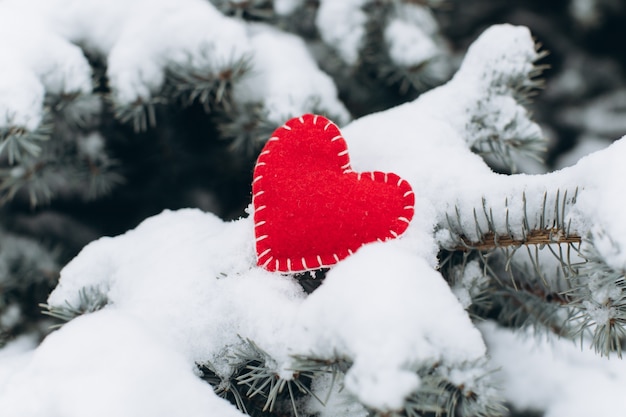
x=599 y=295
x=209 y=84
x=467 y=390
x=516 y=287
x=501 y=127
x=90 y=299
x=103 y=177
x=17 y=143
x=28 y=272
x=35 y=176
x=246 y=126
x=246 y=9
x=77 y=110
x=256 y=387
x=141 y=113
x=528 y=299
x=68 y=164
x=548 y=226
x=376 y=60
x=223 y=387
x=537 y=237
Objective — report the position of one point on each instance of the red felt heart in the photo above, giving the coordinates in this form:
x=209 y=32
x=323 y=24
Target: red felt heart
x=311 y=210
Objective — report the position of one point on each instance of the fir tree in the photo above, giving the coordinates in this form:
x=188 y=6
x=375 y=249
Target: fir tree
x=167 y=104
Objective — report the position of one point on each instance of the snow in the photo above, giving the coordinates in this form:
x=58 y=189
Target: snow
x=470 y=280
x=183 y=287
x=286 y=78
x=286 y=7
x=408 y=45
x=336 y=400
x=39 y=62
x=410 y=35
x=109 y=364
x=555 y=376
x=194 y=281
x=383 y=295
x=192 y=34
x=14 y=356
x=341 y=24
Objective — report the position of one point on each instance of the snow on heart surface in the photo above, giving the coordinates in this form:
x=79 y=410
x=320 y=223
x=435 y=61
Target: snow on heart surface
x=311 y=210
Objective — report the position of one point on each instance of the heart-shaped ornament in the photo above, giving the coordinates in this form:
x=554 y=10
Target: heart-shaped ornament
x=311 y=210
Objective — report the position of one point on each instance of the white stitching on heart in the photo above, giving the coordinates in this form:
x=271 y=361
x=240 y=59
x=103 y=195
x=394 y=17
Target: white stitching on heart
x=260 y=238
x=400 y=181
x=342 y=153
x=327 y=124
x=289 y=262
x=404 y=219
x=408 y=193
x=266 y=263
x=336 y=257
x=393 y=233
x=260 y=208
x=304 y=263
x=258 y=177
x=315 y=119
x=286 y=127
x=319 y=260
x=347 y=165
x=258 y=193
x=272 y=139
x=265 y=252
x=261 y=223
x=336 y=138
x=301 y=119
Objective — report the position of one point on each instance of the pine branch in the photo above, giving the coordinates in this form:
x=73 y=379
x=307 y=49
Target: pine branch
x=248 y=9
x=17 y=143
x=599 y=295
x=76 y=110
x=257 y=389
x=209 y=84
x=540 y=237
x=548 y=227
x=28 y=272
x=90 y=299
x=519 y=136
x=140 y=113
x=376 y=60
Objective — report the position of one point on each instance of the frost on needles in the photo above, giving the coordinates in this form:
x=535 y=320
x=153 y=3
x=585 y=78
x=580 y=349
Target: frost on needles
x=175 y=318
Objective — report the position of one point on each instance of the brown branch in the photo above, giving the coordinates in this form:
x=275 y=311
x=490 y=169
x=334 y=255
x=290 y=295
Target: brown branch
x=534 y=237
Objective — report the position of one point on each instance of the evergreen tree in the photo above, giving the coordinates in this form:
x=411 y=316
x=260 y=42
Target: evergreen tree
x=111 y=112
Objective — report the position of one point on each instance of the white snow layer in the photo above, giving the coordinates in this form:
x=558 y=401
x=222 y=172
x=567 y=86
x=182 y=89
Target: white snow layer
x=556 y=376
x=192 y=34
x=109 y=364
x=341 y=24
x=410 y=35
x=286 y=78
x=183 y=286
